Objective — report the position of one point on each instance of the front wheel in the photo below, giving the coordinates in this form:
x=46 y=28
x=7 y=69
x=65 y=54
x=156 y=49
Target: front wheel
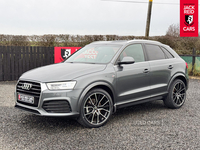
x=177 y=94
x=96 y=108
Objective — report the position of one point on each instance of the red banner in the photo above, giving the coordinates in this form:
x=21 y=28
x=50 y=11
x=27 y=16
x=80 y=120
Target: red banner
x=61 y=53
x=189 y=18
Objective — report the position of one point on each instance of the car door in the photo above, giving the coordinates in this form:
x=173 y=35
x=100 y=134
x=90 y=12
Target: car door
x=161 y=68
x=132 y=79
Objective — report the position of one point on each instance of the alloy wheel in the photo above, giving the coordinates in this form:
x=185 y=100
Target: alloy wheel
x=97 y=108
x=179 y=93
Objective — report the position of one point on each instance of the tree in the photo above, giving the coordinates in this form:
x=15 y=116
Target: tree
x=173 y=30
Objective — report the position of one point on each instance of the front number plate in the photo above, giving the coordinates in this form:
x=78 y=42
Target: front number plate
x=25 y=98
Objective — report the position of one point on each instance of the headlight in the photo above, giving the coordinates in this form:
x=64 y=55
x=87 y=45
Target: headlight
x=61 y=85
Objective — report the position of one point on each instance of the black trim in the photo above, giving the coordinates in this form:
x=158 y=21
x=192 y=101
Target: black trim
x=140 y=101
x=57 y=106
x=27 y=109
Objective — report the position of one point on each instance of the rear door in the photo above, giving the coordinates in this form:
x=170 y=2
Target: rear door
x=161 y=65
x=133 y=79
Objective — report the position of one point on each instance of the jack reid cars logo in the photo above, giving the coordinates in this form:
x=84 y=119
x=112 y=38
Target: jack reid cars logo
x=189 y=20
x=65 y=53
x=189 y=10
x=26 y=86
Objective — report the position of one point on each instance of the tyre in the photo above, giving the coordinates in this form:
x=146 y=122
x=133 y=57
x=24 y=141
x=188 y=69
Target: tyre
x=96 y=109
x=177 y=94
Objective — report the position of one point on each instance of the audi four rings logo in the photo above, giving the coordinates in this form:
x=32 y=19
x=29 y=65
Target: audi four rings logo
x=26 y=86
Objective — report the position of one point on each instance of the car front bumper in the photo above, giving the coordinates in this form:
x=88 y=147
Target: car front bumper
x=58 y=103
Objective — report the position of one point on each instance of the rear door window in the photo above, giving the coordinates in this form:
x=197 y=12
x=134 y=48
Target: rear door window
x=154 y=52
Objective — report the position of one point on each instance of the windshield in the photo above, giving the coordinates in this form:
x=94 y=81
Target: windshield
x=94 y=54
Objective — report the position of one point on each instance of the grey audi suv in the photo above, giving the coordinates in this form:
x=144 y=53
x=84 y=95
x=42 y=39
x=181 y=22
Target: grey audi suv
x=103 y=76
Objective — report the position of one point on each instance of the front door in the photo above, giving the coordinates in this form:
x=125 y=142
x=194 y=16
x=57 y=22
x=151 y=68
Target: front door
x=133 y=82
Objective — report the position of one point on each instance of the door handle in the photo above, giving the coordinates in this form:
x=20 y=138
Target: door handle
x=170 y=67
x=146 y=71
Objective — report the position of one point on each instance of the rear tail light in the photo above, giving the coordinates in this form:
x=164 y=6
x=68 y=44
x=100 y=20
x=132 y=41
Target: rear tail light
x=186 y=65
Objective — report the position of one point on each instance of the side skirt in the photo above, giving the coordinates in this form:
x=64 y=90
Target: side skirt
x=117 y=106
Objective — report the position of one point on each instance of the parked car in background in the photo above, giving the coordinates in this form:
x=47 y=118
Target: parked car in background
x=103 y=76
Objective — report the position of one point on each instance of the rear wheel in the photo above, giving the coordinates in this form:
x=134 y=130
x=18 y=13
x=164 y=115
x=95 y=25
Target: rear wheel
x=177 y=94
x=96 y=108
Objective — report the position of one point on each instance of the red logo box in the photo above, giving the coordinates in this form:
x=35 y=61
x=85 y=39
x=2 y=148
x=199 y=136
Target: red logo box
x=189 y=18
x=61 y=53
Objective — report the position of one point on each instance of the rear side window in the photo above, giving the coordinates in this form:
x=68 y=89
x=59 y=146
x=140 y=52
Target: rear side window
x=154 y=52
x=135 y=51
x=168 y=54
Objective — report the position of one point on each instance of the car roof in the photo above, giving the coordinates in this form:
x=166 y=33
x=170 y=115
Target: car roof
x=127 y=42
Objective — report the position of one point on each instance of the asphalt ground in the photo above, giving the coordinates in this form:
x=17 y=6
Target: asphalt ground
x=145 y=126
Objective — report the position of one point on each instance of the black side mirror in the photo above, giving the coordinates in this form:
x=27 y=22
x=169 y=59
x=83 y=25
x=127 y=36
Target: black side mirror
x=126 y=60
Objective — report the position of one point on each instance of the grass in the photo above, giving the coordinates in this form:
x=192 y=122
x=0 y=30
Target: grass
x=195 y=71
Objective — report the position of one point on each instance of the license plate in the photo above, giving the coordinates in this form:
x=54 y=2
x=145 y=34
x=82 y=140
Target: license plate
x=25 y=98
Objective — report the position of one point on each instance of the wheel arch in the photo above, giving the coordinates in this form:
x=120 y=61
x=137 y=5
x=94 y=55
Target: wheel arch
x=180 y=76
x=102 y=85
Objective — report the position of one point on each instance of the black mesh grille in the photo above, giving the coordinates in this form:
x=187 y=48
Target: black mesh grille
x=57 y=106
x=34 y=91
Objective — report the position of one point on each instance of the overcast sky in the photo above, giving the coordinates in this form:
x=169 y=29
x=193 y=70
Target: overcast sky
x=85 y=17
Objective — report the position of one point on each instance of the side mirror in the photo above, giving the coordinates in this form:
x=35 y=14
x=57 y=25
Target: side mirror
x=126 y=60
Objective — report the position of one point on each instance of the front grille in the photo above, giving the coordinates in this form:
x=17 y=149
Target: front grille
x=57 y=106
x=34 y=91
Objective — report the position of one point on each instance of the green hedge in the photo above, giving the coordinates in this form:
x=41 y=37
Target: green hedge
x=183 y=45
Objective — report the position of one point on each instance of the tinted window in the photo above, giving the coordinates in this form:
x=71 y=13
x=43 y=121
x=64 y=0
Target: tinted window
x=169 y=55
x=134 y=51
x=154 y=52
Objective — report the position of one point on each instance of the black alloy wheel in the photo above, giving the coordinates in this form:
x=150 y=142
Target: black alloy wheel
x=177 y=94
